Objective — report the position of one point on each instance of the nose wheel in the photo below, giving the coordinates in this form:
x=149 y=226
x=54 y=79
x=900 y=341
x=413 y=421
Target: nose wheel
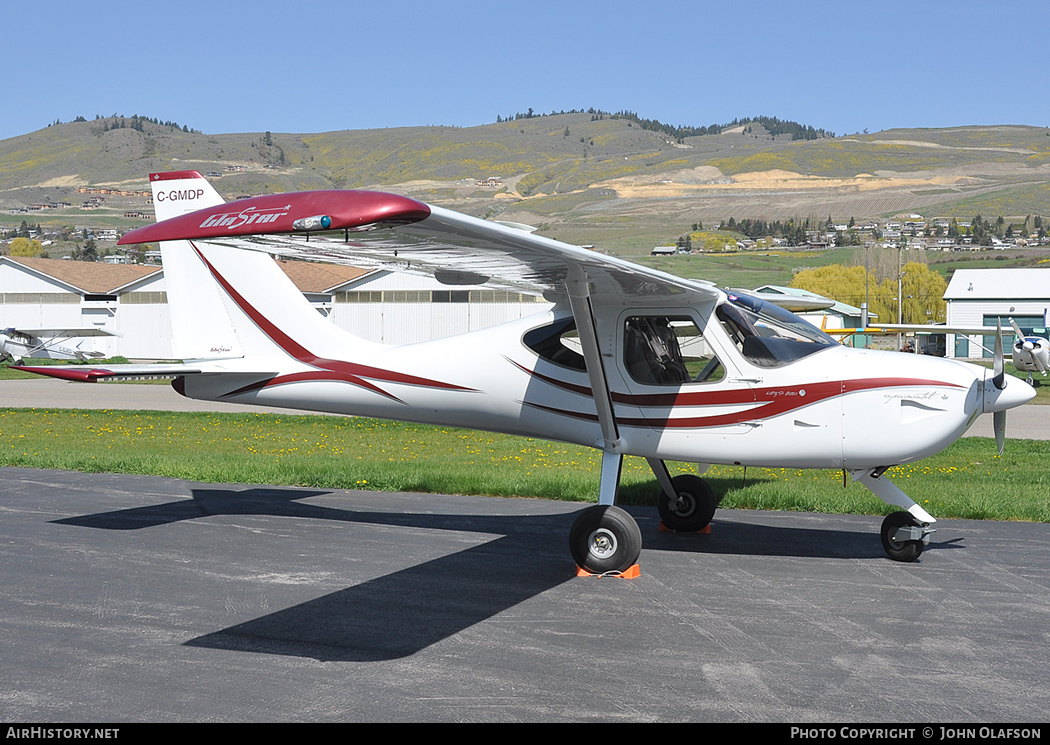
x=904 y=537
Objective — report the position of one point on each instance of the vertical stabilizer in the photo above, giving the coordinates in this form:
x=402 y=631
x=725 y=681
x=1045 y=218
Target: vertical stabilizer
x=200 y=324
x=178 y=192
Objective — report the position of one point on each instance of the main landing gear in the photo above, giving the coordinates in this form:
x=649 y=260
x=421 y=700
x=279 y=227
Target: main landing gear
x=605 y=539
x=690 y=506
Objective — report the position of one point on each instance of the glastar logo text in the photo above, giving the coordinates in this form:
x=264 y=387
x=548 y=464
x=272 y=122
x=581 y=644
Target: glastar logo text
x=247 y=216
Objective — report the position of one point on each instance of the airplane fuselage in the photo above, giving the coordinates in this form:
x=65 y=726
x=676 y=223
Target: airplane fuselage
x=837 y=408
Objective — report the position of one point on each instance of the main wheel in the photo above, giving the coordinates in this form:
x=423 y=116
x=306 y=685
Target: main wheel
x=896 y=549
x=605 y=539
x=693 y=508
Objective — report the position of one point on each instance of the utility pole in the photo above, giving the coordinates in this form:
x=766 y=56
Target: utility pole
x=867 y=300
x=900 y=294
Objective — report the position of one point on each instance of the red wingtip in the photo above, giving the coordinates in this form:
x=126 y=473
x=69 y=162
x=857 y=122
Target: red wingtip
x=278 y=213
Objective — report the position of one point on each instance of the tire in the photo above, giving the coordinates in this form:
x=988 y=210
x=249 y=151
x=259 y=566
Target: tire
x=900 y=550
x=694 y=508
x=605 y=539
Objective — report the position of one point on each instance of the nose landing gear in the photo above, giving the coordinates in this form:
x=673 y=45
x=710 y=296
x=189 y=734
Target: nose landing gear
x=904 y=537
x=904 y=534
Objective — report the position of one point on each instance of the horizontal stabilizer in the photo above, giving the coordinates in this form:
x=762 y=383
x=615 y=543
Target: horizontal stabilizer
x=88 y=374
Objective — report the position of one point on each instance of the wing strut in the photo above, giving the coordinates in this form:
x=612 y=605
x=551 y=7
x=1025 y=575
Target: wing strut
x=578 y=288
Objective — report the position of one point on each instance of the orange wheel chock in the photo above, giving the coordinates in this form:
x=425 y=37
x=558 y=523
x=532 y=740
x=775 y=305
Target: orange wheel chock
x=703 y=531
x=631 y=573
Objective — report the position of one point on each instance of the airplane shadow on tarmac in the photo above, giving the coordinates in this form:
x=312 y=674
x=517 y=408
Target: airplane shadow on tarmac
x=401 y=613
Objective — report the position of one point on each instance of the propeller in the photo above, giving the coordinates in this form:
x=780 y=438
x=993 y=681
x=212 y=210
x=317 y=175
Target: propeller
x=999 y=381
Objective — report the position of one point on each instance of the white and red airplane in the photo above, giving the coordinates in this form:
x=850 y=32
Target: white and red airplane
x=630 y=360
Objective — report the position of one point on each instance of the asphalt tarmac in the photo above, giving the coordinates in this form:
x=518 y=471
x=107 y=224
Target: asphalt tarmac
x=133 y=598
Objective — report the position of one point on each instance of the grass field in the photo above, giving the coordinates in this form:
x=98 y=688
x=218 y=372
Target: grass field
x=967 y=480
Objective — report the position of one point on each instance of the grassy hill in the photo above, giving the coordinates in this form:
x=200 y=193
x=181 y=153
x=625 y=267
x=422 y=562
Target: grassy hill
x=585 y=180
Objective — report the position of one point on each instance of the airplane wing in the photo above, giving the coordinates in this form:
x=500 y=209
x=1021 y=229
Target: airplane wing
x=914 y=328
x=373 y=229
x=927 y=328
x=64 y=333
x=792 y=303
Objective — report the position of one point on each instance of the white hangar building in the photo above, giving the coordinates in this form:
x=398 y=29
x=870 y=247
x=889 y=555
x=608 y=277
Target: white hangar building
x=381 y=306
x=977 y=297
x=125 y=299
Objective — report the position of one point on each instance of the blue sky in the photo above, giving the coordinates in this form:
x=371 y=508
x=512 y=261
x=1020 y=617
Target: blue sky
x=317 y=65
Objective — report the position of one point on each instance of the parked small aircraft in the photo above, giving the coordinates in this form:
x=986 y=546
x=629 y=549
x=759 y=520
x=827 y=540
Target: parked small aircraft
x=1031 y=353
x=630 y=360
x=18 y=343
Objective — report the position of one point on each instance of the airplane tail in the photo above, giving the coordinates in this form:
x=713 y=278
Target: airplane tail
x=227 y=302
x=200 y=325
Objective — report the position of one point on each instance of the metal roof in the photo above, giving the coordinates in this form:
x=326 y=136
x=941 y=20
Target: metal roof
x=999 y=284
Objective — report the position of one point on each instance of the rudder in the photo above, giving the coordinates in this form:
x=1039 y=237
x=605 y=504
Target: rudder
x=200 y=323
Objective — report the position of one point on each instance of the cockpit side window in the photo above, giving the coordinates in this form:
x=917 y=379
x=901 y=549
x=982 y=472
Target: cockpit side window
x=668 y=350
x=558 y=342
x=767 y=335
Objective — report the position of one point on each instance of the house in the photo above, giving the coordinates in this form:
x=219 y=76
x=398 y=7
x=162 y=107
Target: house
x=399 y=308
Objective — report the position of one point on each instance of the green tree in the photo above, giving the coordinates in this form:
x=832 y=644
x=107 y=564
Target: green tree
x=847 y=285
x=922 y=290
x=87 y=252
x=25 y=247
x=923 y=294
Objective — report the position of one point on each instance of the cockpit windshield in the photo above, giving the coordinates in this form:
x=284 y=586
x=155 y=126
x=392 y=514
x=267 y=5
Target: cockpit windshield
x=766 y=334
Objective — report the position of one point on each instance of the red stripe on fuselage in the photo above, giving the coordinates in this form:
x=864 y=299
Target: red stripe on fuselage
x=768 y=402
x=349 y=372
